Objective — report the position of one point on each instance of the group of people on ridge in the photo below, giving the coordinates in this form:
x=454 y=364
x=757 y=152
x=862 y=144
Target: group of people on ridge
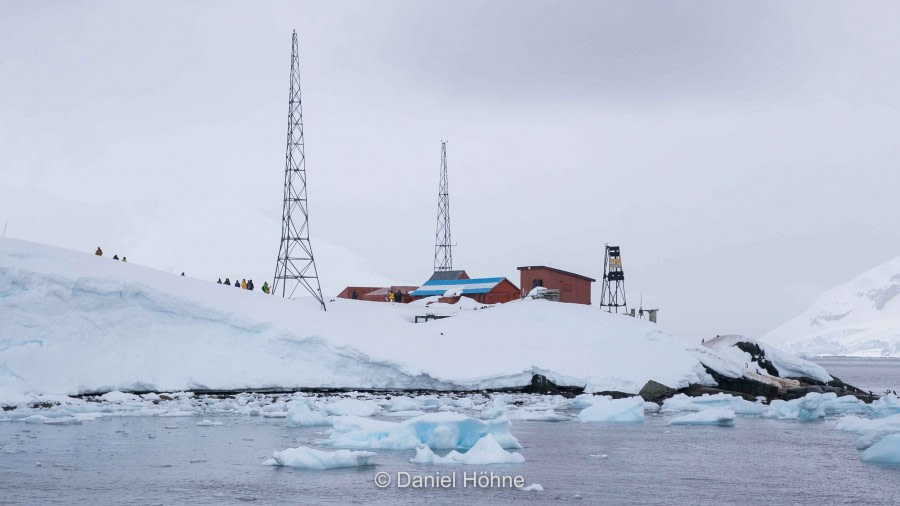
x=395 y=296
x=244 y=284
x=99 y=253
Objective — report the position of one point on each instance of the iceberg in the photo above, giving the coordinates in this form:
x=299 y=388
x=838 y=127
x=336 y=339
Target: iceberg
x=208 y=423
x=438 y=431
x=886 y=451
x=809 y=407
x=605 y=409
x=739 y=405
x=310 y=458
x=353 y=407
x=711 y=416
x=486 y=451
x=299 y=415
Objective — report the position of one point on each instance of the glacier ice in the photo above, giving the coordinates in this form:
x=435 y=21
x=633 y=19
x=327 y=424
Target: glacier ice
x=710 y=416
x=439 y=431
x=486 y=451
x=310 y=458
x=605 y=409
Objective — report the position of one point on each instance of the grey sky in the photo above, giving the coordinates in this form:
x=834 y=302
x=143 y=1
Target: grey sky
x=742 y=154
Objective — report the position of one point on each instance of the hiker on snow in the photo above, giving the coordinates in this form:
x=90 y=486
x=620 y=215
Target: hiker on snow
x=250 y=285
x=219 y=281
x=99 y=252
x=228 y=281
x=115 y=257
x=265 y=287
x=244 y=284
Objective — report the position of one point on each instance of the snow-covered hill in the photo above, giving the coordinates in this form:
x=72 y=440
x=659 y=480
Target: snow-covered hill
x=860 y=318
x=72 y=322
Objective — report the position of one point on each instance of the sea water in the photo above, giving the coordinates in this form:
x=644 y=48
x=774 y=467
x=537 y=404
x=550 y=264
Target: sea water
x=154 y=460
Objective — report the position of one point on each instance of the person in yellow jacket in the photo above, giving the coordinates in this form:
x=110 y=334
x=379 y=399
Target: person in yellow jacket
x=244 y=284
x=391 y=296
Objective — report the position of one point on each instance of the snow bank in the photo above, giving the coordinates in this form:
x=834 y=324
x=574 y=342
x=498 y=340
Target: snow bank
x=606 y=409
x=486 y=451
x=859 y=318
x=886 y=451
x=711 y=416
x=120 y=326
x=438 y=431
x=743 y=364
x=310 y=458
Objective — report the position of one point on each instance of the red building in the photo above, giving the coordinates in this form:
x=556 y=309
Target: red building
x=572 y=287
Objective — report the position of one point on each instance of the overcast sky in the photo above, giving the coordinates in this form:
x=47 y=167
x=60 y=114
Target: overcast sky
x=742 y=154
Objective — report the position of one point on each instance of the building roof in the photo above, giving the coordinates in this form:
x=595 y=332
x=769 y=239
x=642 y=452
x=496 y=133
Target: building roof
x=445 y=275
x=579 y=276
x=465 y=286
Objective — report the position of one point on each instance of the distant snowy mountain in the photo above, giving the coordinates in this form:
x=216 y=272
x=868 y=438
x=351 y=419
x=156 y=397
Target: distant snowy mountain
x=860 y=318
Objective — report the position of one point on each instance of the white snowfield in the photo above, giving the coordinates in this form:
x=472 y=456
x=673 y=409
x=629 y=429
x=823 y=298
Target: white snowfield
x=75 y=323
x=860 y=318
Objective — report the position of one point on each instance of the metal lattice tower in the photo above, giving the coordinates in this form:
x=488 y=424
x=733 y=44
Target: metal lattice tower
x=612 y=294
x=296 y=266
x=443 y=253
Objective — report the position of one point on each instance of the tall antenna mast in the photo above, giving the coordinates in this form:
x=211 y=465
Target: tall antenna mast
x=443 y=254
x=296 y=266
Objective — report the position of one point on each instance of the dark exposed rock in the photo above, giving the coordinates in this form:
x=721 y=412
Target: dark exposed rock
x=700 y=390
x=759 y=356
x=541 y=385
x=615 y=394
x=656 y=392
x=743 y=385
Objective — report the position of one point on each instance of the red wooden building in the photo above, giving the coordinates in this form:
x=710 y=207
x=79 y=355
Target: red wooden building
x=572 y=287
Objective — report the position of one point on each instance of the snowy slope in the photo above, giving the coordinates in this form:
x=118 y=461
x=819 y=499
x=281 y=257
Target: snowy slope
x=859 y=318
x=72 y=322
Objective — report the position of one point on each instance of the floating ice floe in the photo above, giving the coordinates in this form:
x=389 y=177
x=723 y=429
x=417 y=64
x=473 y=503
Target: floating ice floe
x=606 y=409
x=739 y=405
x=534 y=487
x=485 y=451
x=208 y=423
x=711 y=416
x=438 y=431
x=310 y=458
x=354 y=407
x=886 y=451
x=300 y=415
x=814 y=406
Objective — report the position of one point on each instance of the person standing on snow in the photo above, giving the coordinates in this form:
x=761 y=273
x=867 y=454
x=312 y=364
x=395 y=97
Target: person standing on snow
x=354 y=295
x=219 y=282
x=237 y=284
x=398 y=297
x=391 y=297
x=124 y=259
x=265 y=287
x=99 y=252
x=115 y=257
x=243 y=283
x=228 y=281
x=250 y=285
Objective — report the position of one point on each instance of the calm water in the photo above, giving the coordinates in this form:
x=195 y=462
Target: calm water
x=758 y=461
